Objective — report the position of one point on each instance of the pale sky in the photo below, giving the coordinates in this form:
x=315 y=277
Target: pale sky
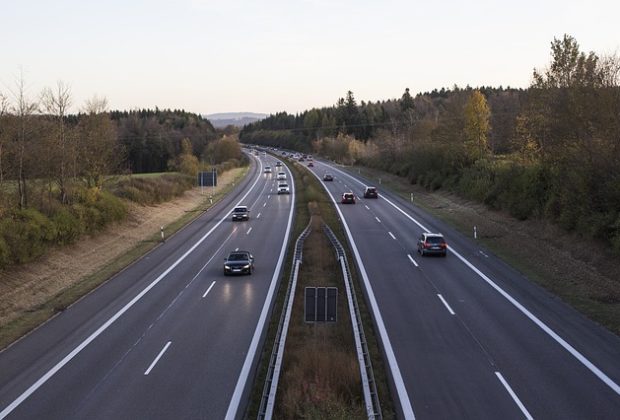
x=208 y=56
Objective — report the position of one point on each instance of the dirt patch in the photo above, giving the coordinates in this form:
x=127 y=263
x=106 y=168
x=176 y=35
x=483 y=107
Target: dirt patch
x=25 y=288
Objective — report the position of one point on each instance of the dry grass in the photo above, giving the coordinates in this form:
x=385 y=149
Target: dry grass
x=321 y=377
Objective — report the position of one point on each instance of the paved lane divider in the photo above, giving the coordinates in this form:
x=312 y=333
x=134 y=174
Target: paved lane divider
x=446 y=304
x=161 y=353
x=209 y=289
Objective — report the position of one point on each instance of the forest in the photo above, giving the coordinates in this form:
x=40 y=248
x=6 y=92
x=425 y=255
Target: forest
x=551 y=151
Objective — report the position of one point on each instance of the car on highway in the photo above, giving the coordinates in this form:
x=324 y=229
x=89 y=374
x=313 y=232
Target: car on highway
x=310 y=165
x=239 y=262
x=348 y=198
x=267 y=169
x=371 y=192
x=328 y=177
x=240 y=213
x=281 y=175
x=278 y=164
x=432 y=244
x=283 y=188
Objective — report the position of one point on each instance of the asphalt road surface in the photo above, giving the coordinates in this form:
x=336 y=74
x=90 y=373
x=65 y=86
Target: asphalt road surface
x=467 y=336
x=168 y=337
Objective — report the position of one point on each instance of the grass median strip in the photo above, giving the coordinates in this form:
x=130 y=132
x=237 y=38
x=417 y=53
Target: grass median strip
x=320 y=374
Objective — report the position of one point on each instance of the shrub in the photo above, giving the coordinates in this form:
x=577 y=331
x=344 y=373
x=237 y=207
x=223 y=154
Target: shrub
x=68 y=226
x=5 y=253
x=27 y=233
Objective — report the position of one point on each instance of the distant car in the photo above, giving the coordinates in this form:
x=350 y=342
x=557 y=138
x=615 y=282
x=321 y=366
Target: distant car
x=267 y=169
x=310 y=165
x=328 y=177
x=239 y=262
x=240 y=213
x=278 y=164
x=348 y=198
x=281 y=175
x=370 y=192
x=283 y=188
x=432 y=243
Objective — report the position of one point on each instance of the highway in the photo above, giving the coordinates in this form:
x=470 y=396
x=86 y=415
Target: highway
x=168 y=337
x=467 y=336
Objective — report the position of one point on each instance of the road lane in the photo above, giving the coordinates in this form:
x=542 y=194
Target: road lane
x=547 y=380
x=106 y=378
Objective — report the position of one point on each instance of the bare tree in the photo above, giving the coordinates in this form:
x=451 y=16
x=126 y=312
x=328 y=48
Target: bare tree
x=56 y=103
x=98 y=145
x=24 y=108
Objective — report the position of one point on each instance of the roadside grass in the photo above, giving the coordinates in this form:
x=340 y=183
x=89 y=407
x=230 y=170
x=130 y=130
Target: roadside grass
x=579 y=271
x=36 y=316
x=321 y=369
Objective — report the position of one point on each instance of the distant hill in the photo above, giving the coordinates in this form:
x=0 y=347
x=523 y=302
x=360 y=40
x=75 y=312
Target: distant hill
x=239 y=119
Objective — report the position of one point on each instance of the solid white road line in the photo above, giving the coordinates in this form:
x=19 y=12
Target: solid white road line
x=446 y=304
x=161 y=353
x=249 y=230
x=412 y=260
x=514 y=397
x=378 y=220
x=392 y=235
x=209 y=289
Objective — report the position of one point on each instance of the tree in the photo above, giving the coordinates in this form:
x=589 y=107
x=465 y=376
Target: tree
x=477 y=125
x=57 y=103
x=4 y=107
x=24 y=109
x=188 y=163
x=98 y=148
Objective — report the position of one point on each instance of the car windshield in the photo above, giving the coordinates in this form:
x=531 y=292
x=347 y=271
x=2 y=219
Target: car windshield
x=434 y=239
x=237 y=257
x=371 y=190
x=240 y=210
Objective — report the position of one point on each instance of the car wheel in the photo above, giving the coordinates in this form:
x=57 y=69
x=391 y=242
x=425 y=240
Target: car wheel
x=444 y=254
x=422 y=252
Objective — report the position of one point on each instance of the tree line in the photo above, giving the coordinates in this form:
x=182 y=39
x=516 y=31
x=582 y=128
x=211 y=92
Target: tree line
x=549 y=151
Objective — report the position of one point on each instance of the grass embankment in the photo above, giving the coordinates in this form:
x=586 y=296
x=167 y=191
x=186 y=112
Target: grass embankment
x=580 y=271
x=25 y=312
x=320 y=374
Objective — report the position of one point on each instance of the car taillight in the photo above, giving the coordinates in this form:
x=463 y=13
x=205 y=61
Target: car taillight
x=427 y=245
x=444 y=245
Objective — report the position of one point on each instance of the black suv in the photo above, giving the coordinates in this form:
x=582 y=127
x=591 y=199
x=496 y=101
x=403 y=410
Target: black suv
x=239 y=262
x=371 y=192
x=432 y=243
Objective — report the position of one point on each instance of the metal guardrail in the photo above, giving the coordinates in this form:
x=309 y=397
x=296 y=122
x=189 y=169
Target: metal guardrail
x=275 y=362
x=371 y=398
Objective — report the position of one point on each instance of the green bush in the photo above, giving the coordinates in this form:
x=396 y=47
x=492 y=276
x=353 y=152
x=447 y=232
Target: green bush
x=68 y=226
x=27 y=233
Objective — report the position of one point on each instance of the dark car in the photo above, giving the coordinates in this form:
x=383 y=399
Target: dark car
x=371 y=192
x=432 y=244
x=311 y=165
x=348 y=198
x=328 y=177
x=240 y=213
x=239 y=262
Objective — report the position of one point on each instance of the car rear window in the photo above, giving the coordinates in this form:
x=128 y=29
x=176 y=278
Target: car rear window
x=240 y=210
x=435 y=240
